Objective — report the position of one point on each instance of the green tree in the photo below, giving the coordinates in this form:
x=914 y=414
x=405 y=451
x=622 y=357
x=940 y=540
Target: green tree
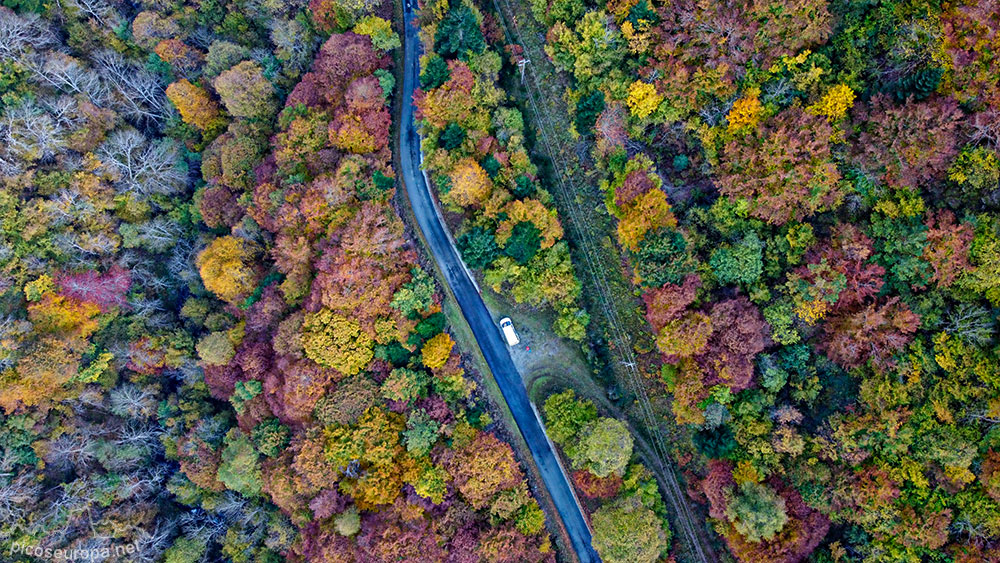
x=435 y=72
x=524 y=187
x=451 y=137
x=605 y=447
x=741 y=263
x=185 y=550
x=458 y=34
x=478 y=247
x=416 y=295
x=565 y=415
x=662 y=257
x=627 y=532
x=239 y=469
x=524 y=242
x=757 y=512
x=587 y=109
x=421 y=432
x=243 y=393
x=271 y=437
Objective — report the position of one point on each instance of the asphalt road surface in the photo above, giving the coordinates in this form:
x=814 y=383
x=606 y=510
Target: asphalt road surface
x=485 y=329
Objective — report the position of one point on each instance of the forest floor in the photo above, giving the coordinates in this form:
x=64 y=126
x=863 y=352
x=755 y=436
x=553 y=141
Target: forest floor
x=618 y=329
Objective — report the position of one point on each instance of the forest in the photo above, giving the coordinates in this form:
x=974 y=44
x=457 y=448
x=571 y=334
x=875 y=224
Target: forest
x=220 y=341
x=806 y=194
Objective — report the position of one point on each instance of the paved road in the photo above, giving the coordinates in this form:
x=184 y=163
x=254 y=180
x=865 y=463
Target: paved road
x=487 y=333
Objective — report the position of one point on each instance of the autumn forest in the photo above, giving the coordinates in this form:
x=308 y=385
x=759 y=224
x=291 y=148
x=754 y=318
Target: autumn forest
x=224 y=336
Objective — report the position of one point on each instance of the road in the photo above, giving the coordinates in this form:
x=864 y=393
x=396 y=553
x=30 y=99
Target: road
x=484 y=328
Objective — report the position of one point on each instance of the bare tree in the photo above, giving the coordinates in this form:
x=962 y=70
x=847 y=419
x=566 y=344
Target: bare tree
x=159 y=234
x=19 y=33
x=986 y=127
x=17 y=494
x=138 y=93
x=71 y=450
x=69 y=75
x=142 y=167
x=29 y=133
x=131 y=401
x=971 y=323
x=99 y=10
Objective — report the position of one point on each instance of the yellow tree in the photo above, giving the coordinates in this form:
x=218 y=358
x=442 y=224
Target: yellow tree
x=336 y=341
x=648 y=211
x=643 y=99
x=536 y=213
x=195 y=105
x=225 y=267
x=470 y=186
x=437 y=350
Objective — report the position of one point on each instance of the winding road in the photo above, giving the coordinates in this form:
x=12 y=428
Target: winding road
x=484 y=328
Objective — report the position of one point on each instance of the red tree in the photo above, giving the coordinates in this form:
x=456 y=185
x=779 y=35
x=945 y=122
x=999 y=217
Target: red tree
x=909 y=145
x=874 y=333
x=106 y=290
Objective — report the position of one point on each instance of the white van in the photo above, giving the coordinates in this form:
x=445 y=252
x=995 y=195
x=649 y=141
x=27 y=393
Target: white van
x=508 y=331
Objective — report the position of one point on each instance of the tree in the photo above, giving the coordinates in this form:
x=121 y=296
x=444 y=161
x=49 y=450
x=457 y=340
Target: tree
x=421 y=432
x=335 y=15
x=523 y=243
x=195 y=106
x=666 y=303
x=947 y=247
x=381 y=33
x=482 y=468
x=534 y=212
x=909 y=145
x=605 y=447
x=587 y=109
x=336 y=341
x=216 y=349
x=106 y=290
x=458 y=33
x=435 y=72
x=627 y=532
x=662 y=258
x=416 y=295
x=565 y=416
x=740 y=263
x=245 y=92
x=643 y=99
x=348 y=522
x=470 y=186
x=757 y=512
x=405 y=384
x=271 y=437
x=685 y=335
x=239 y=469
x=225 y=268
x=347 y=402
x=452 y=137
x=223 y=55
x=874 y=333
x=478 y=247
x=783 y=168
x=437 y=350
